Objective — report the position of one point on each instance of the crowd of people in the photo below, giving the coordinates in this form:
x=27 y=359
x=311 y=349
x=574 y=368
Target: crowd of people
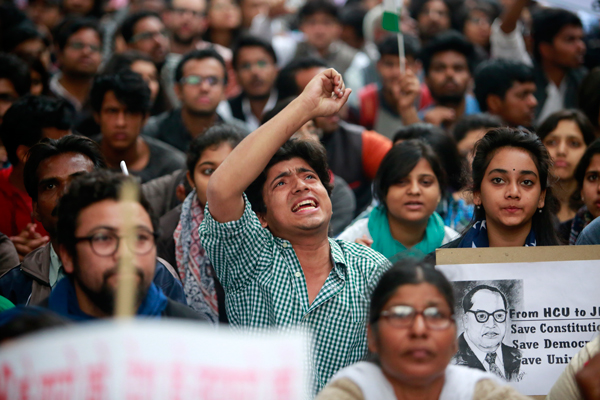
x=297 y=166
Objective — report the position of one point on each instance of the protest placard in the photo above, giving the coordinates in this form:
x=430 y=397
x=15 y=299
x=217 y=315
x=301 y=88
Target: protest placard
x=533 y=307
x=153 y=360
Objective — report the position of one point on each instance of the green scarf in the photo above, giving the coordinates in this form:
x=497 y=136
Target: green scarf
x=5 y=304
x=383 y=242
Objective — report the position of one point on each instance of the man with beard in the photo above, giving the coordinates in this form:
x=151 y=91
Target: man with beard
x=448 y=61
x=432 y=16
x=485 y=321
x=145 y=32
x=79 y=45
x=200 y=79
x=90 y=237
x=255 y=65
x=186 y=21
x=50 y=168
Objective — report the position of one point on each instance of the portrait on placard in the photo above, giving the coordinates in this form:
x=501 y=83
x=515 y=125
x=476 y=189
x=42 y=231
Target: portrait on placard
x=483 y=320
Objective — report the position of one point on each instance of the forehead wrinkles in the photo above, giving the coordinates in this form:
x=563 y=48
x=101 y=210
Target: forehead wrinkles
x=291 y=168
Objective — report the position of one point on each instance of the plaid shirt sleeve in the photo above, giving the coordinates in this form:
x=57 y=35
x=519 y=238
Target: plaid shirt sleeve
x=236 y=247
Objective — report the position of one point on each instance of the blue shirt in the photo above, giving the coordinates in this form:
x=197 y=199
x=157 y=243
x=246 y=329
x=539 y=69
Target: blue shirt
x=471 y=107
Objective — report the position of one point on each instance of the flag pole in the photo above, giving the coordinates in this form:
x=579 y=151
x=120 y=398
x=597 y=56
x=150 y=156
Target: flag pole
x=400 y=38
x=126 y=284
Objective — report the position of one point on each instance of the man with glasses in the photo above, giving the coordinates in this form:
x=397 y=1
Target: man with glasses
x=186 y=22
x=255 y=65
x=79 y=44
x=480 y=345
x=200 y=86
x=145 y=32
x=91 y=243
x=50 y=169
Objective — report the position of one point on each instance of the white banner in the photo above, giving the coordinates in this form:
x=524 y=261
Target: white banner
x=590 y=6
x=534 y=315
x=148 y=360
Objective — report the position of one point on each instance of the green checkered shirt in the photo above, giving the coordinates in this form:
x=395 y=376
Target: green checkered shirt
x=265 y=287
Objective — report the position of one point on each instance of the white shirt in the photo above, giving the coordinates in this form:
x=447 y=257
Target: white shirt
x=481 y=355
x=252 y=123
x=361 y=227
x=57 y=272
x=59 y=90
x=459 y=381
x=555 y=100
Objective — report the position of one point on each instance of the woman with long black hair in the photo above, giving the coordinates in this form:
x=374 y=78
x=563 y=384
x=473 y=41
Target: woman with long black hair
x=511 y=192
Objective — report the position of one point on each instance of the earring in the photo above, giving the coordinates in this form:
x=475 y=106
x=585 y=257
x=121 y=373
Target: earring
x=479 y=207
x=540 y=210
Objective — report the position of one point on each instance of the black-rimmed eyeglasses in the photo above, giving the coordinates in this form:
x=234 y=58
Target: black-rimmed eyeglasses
x=106 y=244
x=483 y=316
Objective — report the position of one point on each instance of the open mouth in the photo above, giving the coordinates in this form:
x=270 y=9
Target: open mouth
x=305 y=205
x=413 y=205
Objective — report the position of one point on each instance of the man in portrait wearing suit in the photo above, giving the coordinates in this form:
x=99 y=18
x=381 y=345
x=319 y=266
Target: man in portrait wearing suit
x=480 y=345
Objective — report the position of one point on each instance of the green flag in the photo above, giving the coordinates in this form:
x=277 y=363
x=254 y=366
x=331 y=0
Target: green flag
x=392 y=10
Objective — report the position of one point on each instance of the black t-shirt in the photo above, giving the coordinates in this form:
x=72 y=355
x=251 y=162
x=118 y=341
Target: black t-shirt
x=169 y=128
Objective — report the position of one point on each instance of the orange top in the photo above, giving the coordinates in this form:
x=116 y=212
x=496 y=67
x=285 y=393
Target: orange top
x=374 y=148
